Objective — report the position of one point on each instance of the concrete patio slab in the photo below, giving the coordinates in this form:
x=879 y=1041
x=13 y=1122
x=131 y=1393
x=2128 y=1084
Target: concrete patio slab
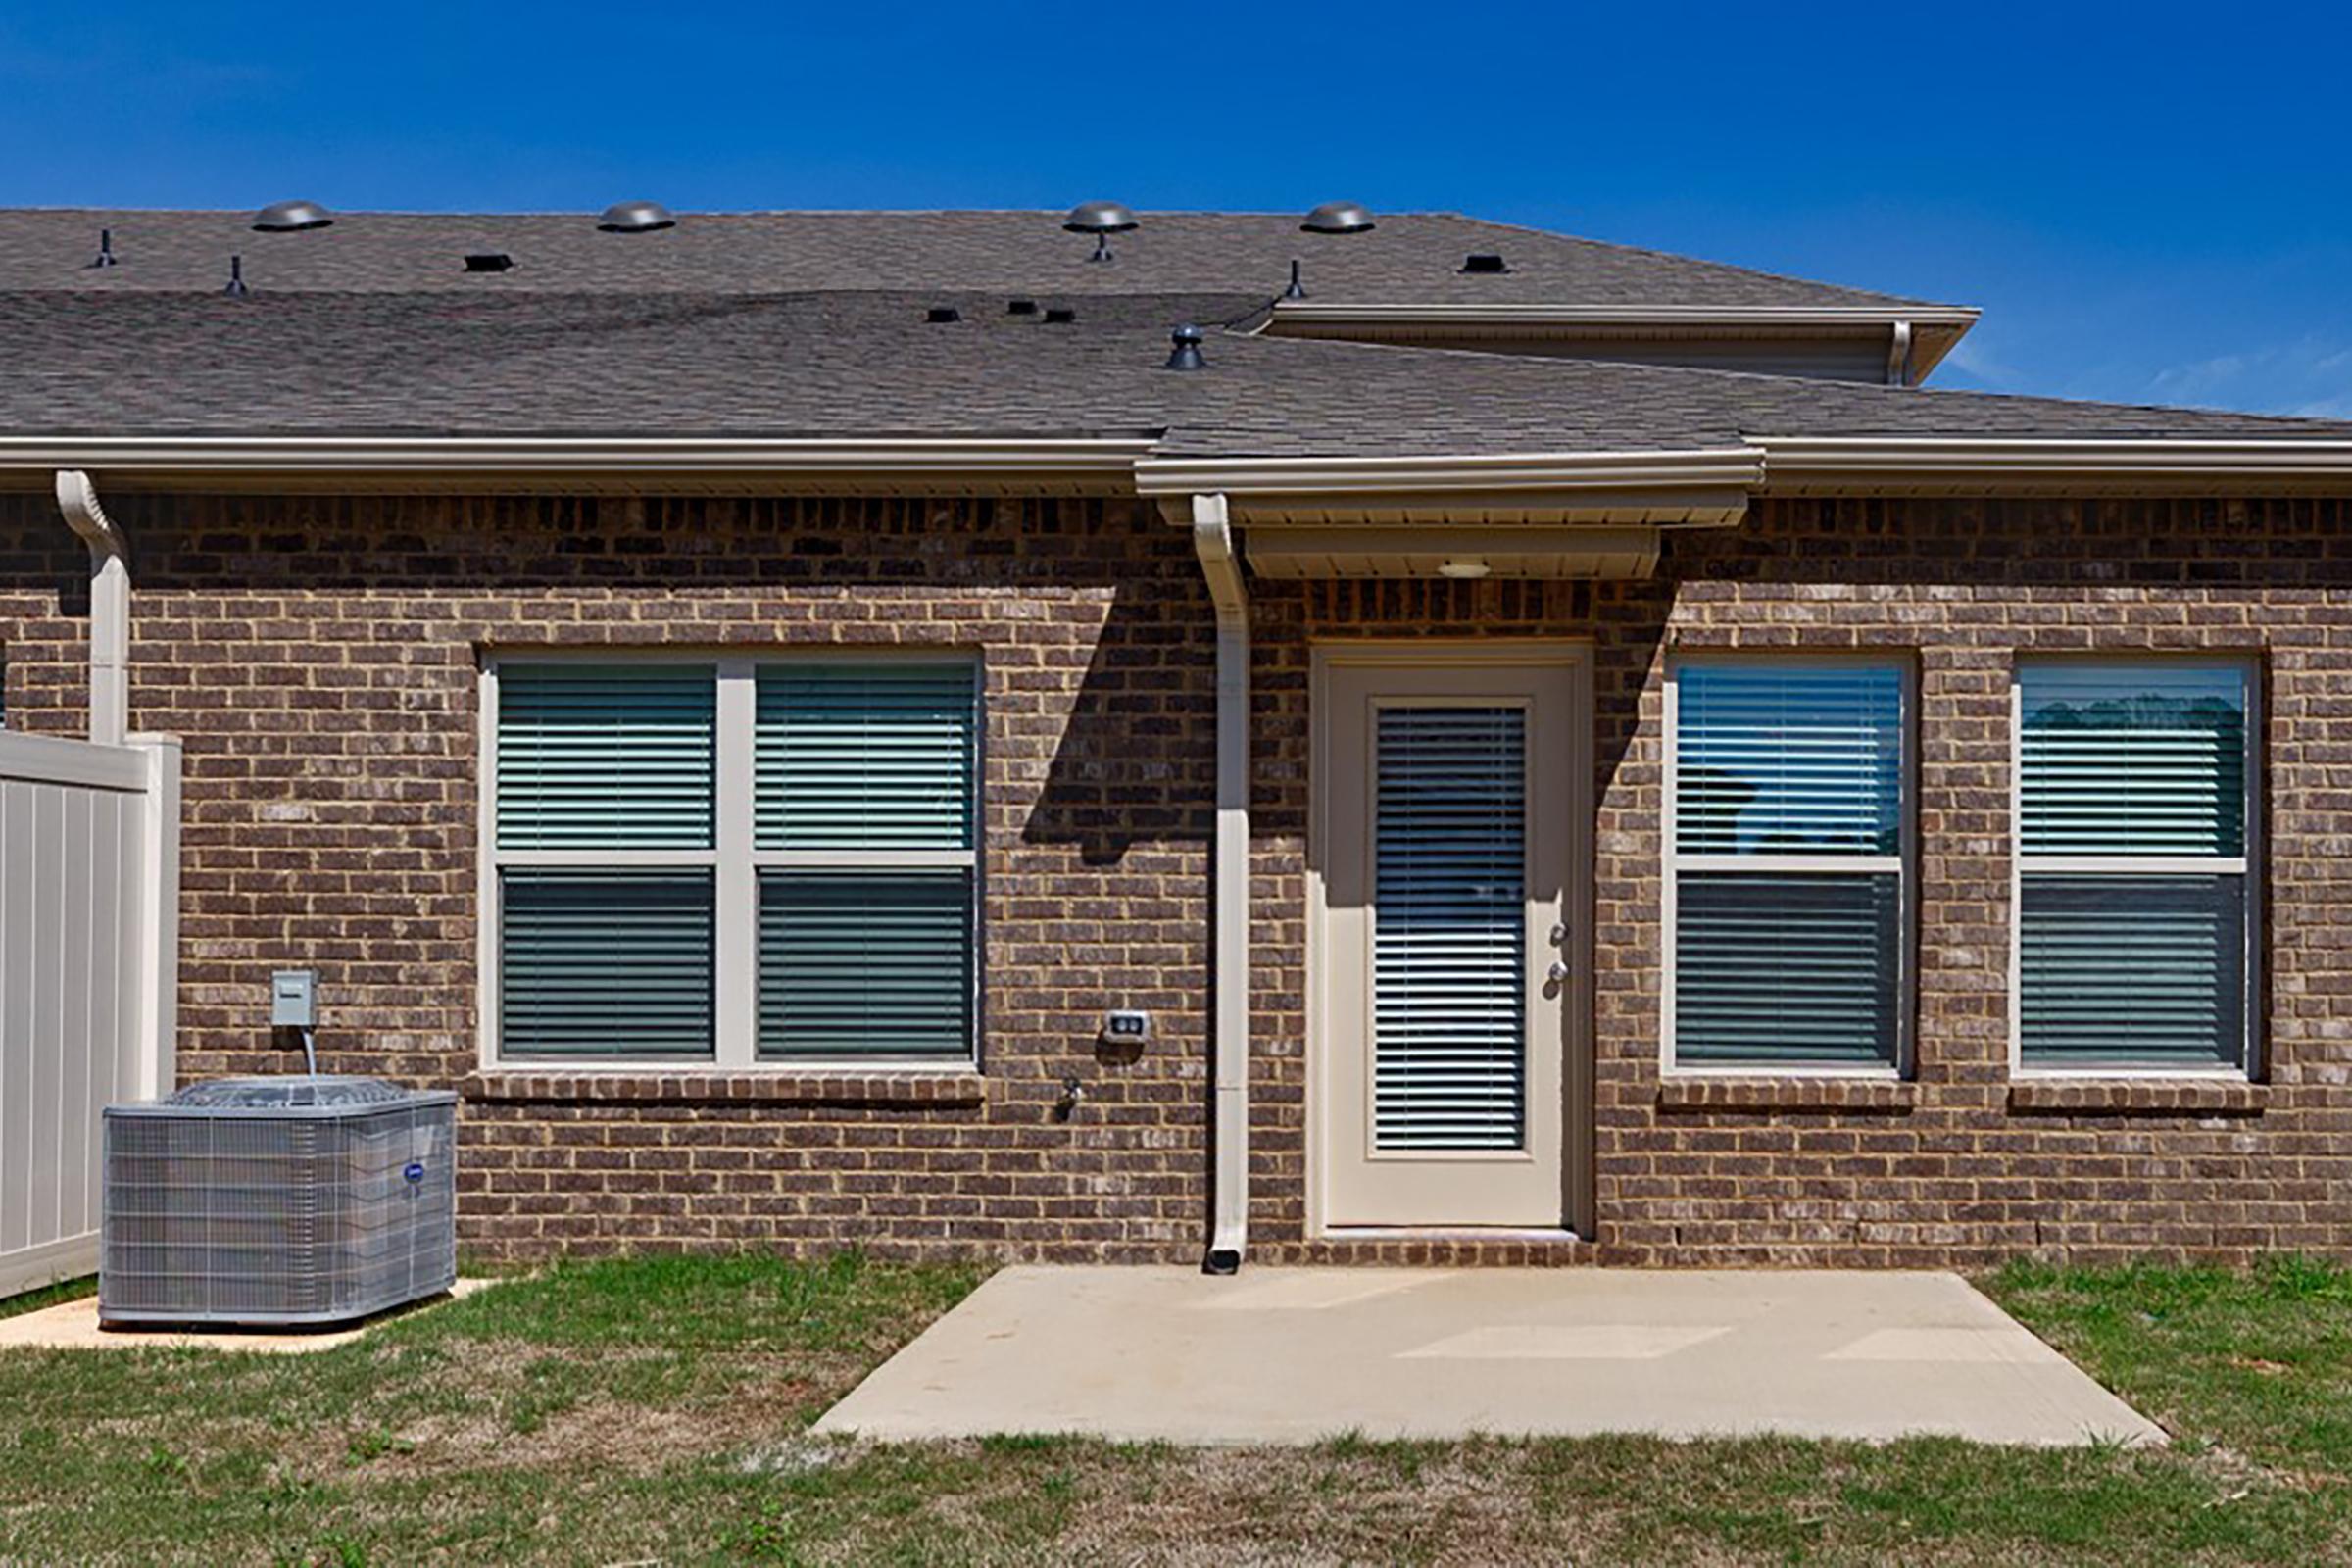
x=74 y=1326
x=1294 y=1355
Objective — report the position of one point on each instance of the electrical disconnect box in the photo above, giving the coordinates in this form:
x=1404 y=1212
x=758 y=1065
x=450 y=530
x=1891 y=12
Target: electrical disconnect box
x=294 y=998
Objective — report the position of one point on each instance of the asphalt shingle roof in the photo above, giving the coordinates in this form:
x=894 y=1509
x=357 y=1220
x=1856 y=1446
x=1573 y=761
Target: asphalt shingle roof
x=1409 y=258
x=869 y=363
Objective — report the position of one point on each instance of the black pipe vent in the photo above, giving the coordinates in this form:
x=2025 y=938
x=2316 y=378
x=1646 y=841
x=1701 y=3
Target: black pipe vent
x=1185 y=354
x=236 y=289
x=1483 y=261
x=106 y=249
x=489 y=262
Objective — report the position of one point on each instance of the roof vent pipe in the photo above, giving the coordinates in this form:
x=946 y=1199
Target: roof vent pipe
x=236 y=289
x=106 y=249
x=1296 y=291
x=1186 y=356
x=1100 y=220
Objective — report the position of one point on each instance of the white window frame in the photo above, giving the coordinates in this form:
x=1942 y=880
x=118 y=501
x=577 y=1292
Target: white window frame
x=2246 y=865
x=1904 y=863
x=735 y=861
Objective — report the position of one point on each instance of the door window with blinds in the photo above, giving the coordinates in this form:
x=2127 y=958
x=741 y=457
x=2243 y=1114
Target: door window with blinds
x=2136 y=898
x=1787 y=866
x=734 y=862
x=1449 y=927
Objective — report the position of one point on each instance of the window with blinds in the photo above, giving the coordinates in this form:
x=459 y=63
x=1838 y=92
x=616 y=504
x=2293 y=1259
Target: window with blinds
x=2133 y=867
x=733 y=861
x=1788 y=880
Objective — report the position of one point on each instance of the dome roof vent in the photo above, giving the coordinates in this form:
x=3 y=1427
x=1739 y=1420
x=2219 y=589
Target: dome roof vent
x=291 y=218
x=1339 y=217
x=635 y=217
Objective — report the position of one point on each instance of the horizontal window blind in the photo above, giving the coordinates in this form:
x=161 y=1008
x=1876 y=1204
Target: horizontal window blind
x=598 y=964
x=1788 y=759
x=1449 y=927
x=865 y=756
x=1786 y=968
x=606 y=757
x=2133 y=760
x=2133 y=970
x=860 y=966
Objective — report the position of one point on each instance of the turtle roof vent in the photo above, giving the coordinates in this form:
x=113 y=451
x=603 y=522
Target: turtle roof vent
x=1020 y=308
x=1483 y=261
x=488 y=262
x=291 y=218
x=1339 y=217
x=1059 y=316
x=940 y=315
x=635 y=217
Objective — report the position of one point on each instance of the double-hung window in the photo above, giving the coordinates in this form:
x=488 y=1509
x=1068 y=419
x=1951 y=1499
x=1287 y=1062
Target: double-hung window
x=1787 y=866
x=2136 y=899
x=732 y=861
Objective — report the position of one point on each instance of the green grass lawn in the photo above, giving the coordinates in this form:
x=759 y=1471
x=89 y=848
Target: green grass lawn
x=654 y=1410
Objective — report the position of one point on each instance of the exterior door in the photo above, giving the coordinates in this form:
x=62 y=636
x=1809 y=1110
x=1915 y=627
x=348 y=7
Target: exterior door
x=1450 y=797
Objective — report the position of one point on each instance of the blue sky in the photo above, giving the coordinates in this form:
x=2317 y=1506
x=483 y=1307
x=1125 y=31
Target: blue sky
x=2151 y=203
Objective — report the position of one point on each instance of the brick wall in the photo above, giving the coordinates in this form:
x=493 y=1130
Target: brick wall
x=319 y=657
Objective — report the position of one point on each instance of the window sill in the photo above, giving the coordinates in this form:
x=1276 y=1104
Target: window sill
x=1794 y=1092
x=914 y=1088
x=2138 y=1097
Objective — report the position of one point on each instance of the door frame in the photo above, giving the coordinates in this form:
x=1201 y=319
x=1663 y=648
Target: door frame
x=1577 y=1121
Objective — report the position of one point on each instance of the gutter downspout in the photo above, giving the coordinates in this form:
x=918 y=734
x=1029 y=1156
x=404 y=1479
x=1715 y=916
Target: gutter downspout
x=1898 y=356
x=110 y=606
x=1229 y=961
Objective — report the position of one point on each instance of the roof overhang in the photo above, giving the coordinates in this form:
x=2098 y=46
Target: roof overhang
x=1937 y=465
x=1695 y=488
x=617 y=463
x=1933 y=329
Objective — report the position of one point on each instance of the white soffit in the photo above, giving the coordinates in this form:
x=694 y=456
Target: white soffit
x=1471 y=553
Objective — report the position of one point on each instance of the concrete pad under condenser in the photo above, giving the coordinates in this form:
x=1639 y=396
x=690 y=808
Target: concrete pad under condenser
x=1296 y=1356
x=74 y=1326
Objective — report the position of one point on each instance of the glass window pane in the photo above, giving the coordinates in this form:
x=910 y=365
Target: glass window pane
x=2133 y=759
x=1788 y=759
x=604 y=756
x=865 y=964
x=1797 y=970
x=2133 y=970
x=862 y=756
x=1450 y=928
x=605 y=963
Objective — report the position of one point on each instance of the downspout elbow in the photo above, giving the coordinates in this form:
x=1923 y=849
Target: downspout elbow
x=110 y=606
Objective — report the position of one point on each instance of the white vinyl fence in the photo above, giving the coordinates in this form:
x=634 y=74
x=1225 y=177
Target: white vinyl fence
x=89 y=899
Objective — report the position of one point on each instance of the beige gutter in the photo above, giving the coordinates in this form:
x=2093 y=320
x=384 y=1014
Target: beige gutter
x=1936 y=464
x=1538 y=471
x=1933 y=329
